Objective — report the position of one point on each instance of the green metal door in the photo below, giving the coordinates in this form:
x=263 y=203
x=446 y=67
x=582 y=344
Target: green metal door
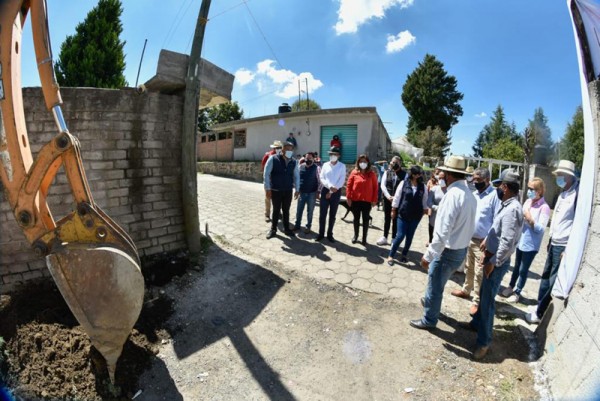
x=348 y=136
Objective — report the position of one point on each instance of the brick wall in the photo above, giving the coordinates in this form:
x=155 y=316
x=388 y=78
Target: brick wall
x=131 y=149
x=218 y=150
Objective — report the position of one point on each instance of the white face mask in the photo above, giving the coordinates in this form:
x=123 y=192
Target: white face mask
x=289 y=154
x=333 y=158
x=442 y=183
x=362 y=165
x=278 y=151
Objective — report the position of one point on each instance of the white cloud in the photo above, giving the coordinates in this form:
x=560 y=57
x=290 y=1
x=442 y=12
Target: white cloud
x=396 y=43
x=481 y=115
x=354 y=13
x=244 y=76
x=284 y=83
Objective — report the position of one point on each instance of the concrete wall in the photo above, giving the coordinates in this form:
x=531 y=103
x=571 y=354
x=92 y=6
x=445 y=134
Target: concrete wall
x=131 y=148
x=217 y=150
x=572 y=359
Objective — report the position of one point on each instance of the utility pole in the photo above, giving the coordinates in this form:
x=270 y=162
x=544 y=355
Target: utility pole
x=299 y=99
x=188 y=141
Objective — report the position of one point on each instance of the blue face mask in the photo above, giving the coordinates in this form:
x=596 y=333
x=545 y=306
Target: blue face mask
x=560 y=181
x=531 y=194
x=289 y=154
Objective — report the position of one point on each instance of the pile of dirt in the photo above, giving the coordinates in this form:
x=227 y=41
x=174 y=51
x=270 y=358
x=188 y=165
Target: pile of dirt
x=44 y=353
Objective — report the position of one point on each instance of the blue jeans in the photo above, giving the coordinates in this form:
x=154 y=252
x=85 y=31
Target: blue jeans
x=309 y=199
x=483 y=320
x=440 y=270
x=328 y=205
x=548 y=278
x=523 y=261
x=406 y=228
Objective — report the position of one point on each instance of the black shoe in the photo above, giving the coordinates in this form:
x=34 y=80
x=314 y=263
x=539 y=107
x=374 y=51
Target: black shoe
x=403 y=259
x=423 y=301
x=364 y=242
x=271 y=234
x=466 y=326
x=319 y=237
x=418 y=324
x=330 y=238
x=289 y=233
x=354 y=240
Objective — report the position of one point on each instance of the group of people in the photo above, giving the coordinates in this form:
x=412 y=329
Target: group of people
x=472 y=220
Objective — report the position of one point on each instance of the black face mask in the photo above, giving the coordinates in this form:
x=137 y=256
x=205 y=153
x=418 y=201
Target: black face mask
x=309 y=162
x=500 y=193
x=395 y=166
x=480 y=186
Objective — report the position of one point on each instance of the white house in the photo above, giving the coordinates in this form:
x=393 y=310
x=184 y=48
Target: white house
x=359 y=128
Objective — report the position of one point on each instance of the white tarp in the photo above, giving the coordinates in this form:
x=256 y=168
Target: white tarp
x=590 y=15
x=402 y=144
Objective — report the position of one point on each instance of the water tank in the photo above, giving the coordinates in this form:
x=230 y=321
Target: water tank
x=285 y=108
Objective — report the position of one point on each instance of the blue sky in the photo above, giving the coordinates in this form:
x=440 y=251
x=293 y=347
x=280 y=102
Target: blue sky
x=519 y=54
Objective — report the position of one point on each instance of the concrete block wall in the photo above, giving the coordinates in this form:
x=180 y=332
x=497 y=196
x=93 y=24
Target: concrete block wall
x=131 y=150
x=572 y=349
x=218 y=150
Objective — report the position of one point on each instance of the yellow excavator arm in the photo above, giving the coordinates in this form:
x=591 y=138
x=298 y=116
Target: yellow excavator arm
x=93 y=261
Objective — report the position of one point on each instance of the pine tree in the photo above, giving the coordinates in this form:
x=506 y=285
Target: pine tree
x=303 y=105
x=541 y=133
x=434 y=142
x=93 y=56
x=497 y=129
x=431 y=98
x=572 y=144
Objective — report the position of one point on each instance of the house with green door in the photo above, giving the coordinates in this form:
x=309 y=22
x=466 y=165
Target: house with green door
x=359 y=129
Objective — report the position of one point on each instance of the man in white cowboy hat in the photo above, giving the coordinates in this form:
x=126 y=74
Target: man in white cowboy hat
x=276 y=148
x=454 y=227
x=562 y=222
x=499 y=245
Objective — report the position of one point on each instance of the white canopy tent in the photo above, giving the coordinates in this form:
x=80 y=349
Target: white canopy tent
x=402 y=144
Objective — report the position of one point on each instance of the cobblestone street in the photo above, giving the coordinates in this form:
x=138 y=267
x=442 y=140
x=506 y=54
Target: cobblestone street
x=234 y=210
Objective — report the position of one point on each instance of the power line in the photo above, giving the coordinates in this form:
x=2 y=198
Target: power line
x=176 y=21
x=262 y=33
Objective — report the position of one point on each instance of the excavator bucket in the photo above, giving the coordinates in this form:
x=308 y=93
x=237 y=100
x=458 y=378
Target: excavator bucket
x=104 y=289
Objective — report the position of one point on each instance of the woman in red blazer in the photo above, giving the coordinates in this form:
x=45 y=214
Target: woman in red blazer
x=361 y=193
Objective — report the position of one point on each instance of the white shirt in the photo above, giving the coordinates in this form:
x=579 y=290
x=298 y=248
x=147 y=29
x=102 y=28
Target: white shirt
x=564 y=213
x=398 y=194
x=455 y=221
x=333 y=175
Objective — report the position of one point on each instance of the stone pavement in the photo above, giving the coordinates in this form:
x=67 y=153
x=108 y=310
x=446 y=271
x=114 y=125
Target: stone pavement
x=234 y=212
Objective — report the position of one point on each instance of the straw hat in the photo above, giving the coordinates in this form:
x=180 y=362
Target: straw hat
x=456 y=164
x=566 y=167
x=470 y=170
x=276 y=144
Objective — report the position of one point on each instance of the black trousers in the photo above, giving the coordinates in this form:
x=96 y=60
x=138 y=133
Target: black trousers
x=387 y=219
x=282 y=200
x=431 y=233
x=361 y=208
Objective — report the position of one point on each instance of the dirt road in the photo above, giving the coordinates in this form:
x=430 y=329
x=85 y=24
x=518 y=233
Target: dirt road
x=242 y=331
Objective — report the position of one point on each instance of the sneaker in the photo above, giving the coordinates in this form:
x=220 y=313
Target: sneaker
x=267 y=219
x=513 y=299
x=331 y=239
x=532 y=318
x=507 y=292
x=382 y=241
x=271 y=234
x=306 y=230
x=295 y=228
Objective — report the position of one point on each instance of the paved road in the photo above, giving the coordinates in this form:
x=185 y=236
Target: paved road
x=234 y=212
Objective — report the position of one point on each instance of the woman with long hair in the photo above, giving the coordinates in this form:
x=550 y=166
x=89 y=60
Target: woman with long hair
x=536 y=214
x=408 y=206
x=361 y=194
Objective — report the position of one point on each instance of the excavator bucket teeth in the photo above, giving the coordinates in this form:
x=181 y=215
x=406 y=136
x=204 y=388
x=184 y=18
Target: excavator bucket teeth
x=104 y=289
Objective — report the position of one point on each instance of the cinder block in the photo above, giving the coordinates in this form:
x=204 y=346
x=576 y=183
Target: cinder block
x=155 y=214
x=153 y=250
x=156 y=223
x=167 y=239
x=157 y=232
x=161 y=205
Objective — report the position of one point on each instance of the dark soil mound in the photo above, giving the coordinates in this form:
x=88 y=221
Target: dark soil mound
x=45 y=355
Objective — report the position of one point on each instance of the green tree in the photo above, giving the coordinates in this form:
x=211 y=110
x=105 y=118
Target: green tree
x=431 y=99
x=498 y=128
x=434 y=142
x=504 y=149
x=540 y=132
x=94 y=56
x=218 y=114
x=572 y=144
x=303 y=104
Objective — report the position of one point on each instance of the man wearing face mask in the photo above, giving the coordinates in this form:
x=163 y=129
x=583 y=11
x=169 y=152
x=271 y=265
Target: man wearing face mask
x=562 y=222
x=309 y=184
x=487 y=205
x=275 y=150
x=280 y=178
x=500 y=243
x=392 y=177
x=333 y=177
